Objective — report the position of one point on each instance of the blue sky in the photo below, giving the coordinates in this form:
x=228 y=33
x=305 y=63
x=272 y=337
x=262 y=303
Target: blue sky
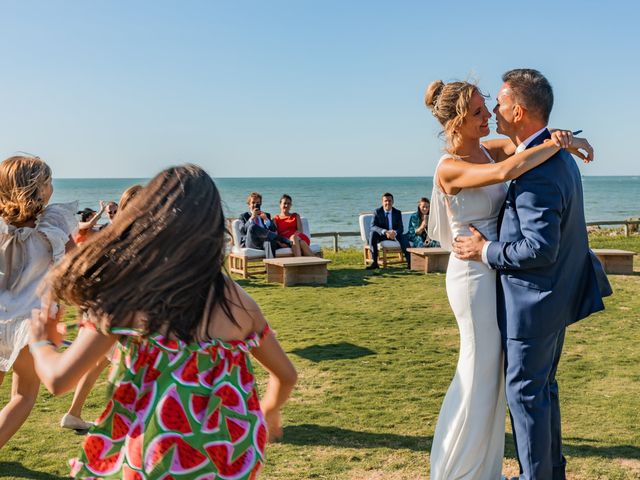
x=297 y=88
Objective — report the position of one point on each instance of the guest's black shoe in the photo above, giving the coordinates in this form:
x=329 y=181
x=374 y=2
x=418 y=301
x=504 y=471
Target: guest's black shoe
x=373 y=266
x=286 y=241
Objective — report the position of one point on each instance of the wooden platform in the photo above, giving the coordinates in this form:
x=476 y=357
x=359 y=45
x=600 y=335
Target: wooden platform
x=615 y=261
x=429 y=260
x=297 y=270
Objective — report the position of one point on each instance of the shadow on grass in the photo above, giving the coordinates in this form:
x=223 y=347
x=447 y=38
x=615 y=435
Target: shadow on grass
x=16 y=470
x=338 y=278
x=333 y=351
x=584 y=447
x=333 y=281
x=320 y=435
x=349 y=277
x=256 y=281
x=588 y=447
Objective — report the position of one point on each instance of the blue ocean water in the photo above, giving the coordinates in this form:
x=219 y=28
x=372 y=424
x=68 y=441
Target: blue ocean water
x=333 y=204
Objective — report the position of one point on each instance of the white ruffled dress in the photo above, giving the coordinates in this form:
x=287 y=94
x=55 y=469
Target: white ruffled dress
x=26 y=255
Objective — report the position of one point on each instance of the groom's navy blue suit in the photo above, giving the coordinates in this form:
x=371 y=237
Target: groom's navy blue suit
x=547 y=279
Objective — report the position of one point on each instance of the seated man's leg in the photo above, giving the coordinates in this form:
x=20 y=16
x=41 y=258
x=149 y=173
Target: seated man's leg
x=374 y=239
x=403 y=240
x=256 y=236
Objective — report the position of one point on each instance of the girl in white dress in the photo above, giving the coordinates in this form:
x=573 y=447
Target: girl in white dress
x=32 y=237
x=469 y=189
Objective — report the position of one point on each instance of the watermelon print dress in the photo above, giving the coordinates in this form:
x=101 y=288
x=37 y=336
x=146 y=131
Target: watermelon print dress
x=178 y=411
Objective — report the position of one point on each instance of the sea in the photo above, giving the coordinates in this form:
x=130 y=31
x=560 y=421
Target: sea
x=332 y=204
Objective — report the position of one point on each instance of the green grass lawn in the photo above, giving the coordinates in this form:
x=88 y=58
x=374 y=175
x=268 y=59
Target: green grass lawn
x=375 y=352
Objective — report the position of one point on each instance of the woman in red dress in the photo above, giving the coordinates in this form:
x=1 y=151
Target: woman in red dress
x=289 y=225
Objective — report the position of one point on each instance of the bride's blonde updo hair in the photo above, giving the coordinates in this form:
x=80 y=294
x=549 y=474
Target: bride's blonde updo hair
x=449 y=103
x=21 y=180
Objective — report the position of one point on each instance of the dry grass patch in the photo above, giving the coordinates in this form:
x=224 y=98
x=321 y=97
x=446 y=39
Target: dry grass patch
x=632 y=466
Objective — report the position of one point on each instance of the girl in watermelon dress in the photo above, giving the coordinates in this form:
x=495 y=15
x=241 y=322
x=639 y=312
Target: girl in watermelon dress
x=184 y=403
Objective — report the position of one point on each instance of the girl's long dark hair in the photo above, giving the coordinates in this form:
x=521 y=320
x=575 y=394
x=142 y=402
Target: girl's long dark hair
x=161 y=259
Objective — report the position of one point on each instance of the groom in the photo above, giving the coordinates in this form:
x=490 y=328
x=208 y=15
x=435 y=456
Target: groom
x=546 y=275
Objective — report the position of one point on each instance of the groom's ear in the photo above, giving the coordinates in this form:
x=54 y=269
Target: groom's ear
x=518 y=112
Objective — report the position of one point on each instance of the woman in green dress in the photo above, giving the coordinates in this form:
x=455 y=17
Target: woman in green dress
x=418 y=226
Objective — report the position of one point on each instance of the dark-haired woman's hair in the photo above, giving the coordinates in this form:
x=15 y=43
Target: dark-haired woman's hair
x=160 y=261
x=422 y=199
x=86 y=214
x=285 y=197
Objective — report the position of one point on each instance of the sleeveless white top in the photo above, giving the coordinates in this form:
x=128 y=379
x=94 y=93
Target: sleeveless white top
x=451 y=215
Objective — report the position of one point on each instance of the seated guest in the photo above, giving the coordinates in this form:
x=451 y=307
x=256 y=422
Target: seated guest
x=387 y=225
x=418 y=231
x=112 y=209
x=289 y=225
x=87 y=225
x=257 y=227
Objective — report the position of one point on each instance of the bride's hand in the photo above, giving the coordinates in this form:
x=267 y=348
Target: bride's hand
x=580 y=147
x=562 y=138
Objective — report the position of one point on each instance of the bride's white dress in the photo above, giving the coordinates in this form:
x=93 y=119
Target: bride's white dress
x=469 y=438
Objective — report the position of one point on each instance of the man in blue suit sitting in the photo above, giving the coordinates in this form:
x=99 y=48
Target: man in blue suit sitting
x=387 y=225
x=258 y=229
x=547 y=277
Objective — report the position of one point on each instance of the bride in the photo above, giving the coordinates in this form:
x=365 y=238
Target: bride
x=469 y=189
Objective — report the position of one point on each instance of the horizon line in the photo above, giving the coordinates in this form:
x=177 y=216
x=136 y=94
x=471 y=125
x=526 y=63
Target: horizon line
x=298 y=177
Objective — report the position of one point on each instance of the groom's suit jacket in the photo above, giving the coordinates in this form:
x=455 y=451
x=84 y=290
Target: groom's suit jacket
x=547 y=276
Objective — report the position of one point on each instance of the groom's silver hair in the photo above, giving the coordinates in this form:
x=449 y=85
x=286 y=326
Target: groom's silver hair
x=531 y=89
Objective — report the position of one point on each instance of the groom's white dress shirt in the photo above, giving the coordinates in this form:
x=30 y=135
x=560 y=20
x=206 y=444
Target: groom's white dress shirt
x=520 y=148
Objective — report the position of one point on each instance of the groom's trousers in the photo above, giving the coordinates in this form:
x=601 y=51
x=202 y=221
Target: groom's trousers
x=534 y=404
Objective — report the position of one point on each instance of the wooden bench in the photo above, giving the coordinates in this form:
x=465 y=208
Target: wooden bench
x=615 y=261
x=429 y=260
x=296 y=270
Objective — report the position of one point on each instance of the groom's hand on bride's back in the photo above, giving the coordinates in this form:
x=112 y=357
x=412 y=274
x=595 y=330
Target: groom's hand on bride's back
x=469 y=247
